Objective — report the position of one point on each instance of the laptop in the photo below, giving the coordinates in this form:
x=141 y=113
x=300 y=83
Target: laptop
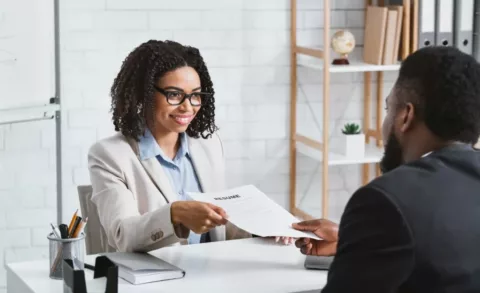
x=318 y=262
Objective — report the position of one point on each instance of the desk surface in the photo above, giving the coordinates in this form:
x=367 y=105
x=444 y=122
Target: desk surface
x=247 y=265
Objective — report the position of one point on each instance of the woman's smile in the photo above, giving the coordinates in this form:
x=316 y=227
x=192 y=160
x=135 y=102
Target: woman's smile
x=182 y=119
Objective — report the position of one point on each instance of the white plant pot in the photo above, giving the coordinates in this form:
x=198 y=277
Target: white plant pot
x=354 y=145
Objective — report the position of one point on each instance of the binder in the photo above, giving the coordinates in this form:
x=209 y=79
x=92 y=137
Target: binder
x=426 y=23
x=443 y=22
x=463 y=25
x=476 y=31
x=139 y=268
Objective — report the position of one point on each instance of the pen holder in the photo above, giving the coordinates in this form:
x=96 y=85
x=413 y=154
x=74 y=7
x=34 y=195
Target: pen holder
x=65 y=249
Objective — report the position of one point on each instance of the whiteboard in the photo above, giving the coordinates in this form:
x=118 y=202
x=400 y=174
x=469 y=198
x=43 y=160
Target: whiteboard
x=27 y=53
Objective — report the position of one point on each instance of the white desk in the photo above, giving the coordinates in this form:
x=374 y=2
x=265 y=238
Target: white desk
x=247 y=265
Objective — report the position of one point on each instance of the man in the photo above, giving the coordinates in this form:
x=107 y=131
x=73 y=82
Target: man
x=417 y=227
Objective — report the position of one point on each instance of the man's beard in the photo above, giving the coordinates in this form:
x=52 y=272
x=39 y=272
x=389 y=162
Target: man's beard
x=393 y=154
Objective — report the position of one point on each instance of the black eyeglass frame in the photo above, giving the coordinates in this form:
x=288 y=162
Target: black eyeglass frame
x=185 y=96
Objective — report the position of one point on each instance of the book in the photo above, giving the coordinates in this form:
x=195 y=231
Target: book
x=140 y=268
x=390 y=35
x=374 y=36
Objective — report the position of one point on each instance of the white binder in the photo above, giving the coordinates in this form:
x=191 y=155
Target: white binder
x=463 y=25
x=444 y=23
x=476 y=31
x=426 y=23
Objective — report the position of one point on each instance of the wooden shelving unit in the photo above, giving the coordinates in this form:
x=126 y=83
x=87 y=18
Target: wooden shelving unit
x=320 y=150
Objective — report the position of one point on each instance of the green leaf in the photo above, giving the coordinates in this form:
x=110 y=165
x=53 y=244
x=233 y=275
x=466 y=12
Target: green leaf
x=351 y=128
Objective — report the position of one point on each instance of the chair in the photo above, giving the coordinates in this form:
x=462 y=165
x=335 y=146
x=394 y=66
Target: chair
x=95 y=236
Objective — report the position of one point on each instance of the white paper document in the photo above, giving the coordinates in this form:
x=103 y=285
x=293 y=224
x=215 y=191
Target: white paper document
x=253 y=211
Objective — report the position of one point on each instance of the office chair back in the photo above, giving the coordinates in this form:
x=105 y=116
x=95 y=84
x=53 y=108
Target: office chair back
x=95 y=237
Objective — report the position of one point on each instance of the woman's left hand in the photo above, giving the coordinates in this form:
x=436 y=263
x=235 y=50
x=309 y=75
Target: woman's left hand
x=285 y=240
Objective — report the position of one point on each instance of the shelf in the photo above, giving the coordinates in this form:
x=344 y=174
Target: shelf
x=363 y=67
x=354 y=66
x=372 y=155
x=26 y=114
x=316 y=61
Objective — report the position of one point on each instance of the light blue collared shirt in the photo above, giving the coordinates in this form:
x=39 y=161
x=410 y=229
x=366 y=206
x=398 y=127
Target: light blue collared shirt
x=179 y=170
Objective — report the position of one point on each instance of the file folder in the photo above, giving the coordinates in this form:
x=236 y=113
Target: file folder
x=444 y=22
x=476 y=31
x=463 y=25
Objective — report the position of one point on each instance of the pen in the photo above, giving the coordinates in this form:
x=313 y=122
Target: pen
x=55 y=231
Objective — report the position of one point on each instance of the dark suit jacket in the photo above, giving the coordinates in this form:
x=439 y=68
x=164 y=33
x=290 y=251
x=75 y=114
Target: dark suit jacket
x=414 y=229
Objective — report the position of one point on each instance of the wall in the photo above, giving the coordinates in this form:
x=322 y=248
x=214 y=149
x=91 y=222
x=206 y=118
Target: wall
x=246 y=47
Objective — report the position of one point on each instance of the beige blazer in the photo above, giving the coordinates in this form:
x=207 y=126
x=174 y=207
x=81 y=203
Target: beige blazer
x=133 y=197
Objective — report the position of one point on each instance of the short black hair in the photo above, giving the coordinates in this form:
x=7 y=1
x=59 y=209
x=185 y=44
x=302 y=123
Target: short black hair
x=133 y=103
x=443 y=83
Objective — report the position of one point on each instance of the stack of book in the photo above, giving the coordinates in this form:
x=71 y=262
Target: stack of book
x=383 y=29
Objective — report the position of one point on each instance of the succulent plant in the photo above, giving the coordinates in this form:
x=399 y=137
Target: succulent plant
x=351 y=128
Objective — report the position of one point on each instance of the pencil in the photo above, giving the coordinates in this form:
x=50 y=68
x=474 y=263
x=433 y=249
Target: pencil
x=79 y=228
x=72 y=221
x=77 y=221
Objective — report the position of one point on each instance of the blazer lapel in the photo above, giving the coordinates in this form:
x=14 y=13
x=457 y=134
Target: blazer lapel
x=156 y=174
x=201 y=164
x=159 y=178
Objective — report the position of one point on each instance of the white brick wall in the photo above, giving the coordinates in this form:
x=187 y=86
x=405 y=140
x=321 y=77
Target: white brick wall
x=246 y=46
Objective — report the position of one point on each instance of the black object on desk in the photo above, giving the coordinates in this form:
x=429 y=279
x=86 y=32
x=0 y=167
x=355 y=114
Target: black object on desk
x=74 y=280
x=63 y=231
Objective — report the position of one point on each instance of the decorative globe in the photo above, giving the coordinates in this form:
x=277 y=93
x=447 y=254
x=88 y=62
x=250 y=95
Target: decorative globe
x=343 y=42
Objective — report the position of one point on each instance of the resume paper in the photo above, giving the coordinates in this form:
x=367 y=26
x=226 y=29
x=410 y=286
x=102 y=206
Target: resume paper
x=253 y=211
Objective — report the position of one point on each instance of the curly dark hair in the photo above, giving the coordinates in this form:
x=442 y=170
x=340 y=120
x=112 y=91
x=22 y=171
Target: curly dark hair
x=132 y=92
x=443 y=84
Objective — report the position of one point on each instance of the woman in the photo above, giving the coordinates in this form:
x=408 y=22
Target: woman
x=163 y=107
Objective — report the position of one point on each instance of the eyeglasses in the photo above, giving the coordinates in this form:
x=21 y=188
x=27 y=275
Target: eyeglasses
x=177 y=97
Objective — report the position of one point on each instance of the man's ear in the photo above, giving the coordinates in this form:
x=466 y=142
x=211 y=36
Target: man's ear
x=407 y=116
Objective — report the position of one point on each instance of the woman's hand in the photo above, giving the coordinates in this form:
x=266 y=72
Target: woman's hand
x=199 y=217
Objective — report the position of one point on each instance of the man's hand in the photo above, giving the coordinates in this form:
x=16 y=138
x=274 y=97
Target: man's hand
x=324 y=229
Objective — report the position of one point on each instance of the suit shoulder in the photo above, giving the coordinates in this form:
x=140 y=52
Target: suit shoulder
x=407 y=173
x=110 y=145
x=407 y=183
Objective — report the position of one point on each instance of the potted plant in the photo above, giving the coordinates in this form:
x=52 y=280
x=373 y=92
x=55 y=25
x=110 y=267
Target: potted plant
x=353 y=140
